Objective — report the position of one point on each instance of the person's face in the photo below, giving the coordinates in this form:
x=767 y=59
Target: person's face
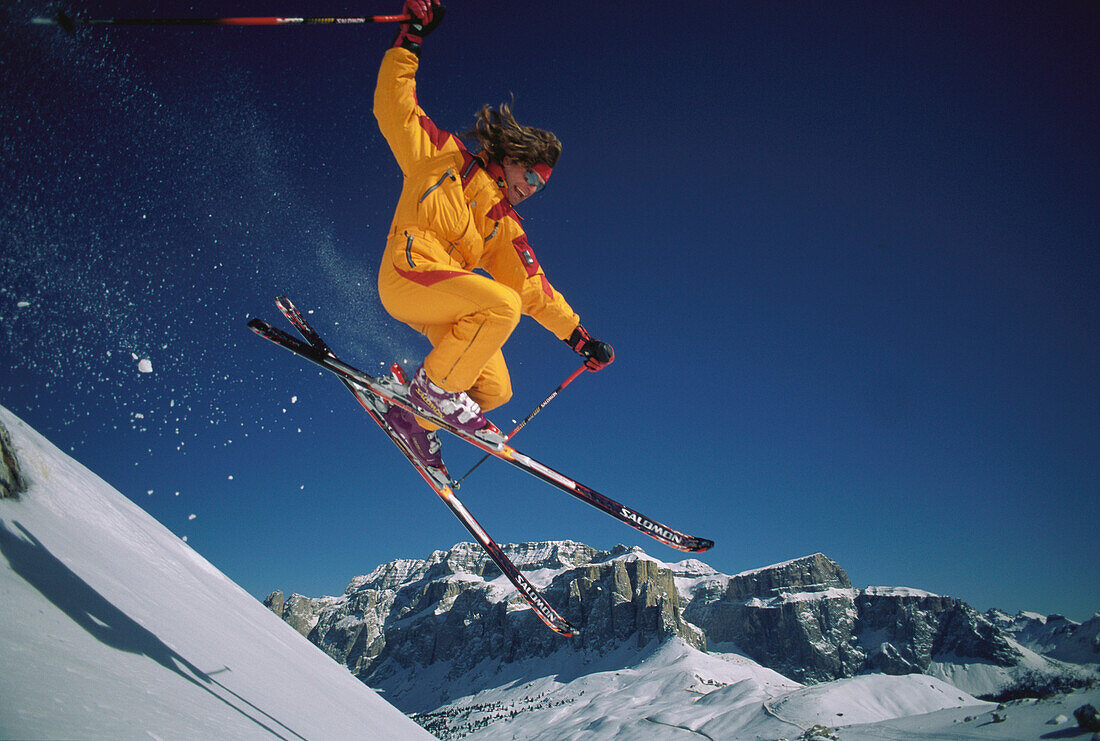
x=520 y=182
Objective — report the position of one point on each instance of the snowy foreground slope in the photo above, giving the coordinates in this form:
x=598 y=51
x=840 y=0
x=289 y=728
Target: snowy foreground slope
x=112 y=628
x=677 y=689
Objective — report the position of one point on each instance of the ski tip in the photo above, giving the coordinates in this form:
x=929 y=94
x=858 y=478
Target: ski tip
x=691 y=544
x=564 y=629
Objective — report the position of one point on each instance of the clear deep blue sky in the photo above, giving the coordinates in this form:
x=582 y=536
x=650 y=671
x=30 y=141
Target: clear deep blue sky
x=846 y=253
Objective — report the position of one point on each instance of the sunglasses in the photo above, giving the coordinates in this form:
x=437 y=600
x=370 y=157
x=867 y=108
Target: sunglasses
x=534 y=180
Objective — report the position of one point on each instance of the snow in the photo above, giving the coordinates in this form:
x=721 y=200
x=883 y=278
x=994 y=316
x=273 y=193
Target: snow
x=541 y=578
x=788 y=597
x=113 y=628
x=686 y=586
x=780 y=565
x=981 y=677
x=898 y=592
x=675 y=690
x=1026 y=719
x=870 y=699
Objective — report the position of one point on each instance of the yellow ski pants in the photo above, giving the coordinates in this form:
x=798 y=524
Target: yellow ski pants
x=467 y=317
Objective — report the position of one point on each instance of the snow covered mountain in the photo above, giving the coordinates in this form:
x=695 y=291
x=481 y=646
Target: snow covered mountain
x=1053 y=635
x=113 y=628
x=661 y=645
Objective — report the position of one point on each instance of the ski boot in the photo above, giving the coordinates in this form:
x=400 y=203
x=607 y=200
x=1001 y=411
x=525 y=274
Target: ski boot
x=422 y=444
x=456 y=408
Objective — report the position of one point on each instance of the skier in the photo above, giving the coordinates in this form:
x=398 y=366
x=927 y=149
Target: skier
x=457 y=213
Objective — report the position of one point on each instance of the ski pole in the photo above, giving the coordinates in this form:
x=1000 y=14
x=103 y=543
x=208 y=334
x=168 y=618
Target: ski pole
x=529 y=417
x=69 y=23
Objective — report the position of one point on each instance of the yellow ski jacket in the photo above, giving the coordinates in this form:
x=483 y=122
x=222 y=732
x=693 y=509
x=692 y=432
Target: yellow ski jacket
x=455 y=202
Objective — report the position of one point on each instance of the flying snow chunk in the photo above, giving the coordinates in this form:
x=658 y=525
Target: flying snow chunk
x=145 y=366
x=23 y=304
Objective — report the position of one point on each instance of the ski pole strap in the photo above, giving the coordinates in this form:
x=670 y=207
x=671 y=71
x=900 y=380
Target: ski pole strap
x=578 y=338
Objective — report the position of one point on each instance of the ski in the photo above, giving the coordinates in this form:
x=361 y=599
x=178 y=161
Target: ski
x=376 y=407
x=392 y=395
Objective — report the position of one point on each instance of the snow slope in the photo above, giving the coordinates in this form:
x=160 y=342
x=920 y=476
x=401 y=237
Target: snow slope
x=677 y=691
x=112 y=628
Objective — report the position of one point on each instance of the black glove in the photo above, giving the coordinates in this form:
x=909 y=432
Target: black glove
x=426 y=15
x=598 y=353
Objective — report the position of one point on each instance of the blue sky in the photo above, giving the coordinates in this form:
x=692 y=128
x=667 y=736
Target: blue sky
x=846 y=254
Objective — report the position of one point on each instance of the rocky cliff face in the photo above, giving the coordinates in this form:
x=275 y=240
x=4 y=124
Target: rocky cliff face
x=455 y=615
x=11 y=477
x=805 y=620
x=300 y=612
x=797 y=617
x=455 y=609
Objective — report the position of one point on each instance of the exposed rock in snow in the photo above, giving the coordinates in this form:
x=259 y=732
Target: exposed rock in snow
x=11 y=477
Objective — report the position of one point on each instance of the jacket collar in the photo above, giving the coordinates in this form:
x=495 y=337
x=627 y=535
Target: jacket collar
x=496 y=174
x=495 y=170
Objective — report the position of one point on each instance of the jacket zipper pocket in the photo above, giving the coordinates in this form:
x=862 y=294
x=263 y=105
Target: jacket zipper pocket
x=496 y=225
x=449 y=174
x=409 y=249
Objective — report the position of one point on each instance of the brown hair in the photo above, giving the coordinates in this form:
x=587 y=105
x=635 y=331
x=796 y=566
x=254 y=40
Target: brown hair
x=502 y=136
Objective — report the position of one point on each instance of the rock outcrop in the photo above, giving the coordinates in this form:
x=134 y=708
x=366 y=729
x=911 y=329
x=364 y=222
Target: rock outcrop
x=12 y=483
x=457 y=609
x=455 y=615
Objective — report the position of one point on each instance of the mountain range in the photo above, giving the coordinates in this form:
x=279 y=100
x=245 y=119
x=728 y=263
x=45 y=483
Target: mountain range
x=441 y=635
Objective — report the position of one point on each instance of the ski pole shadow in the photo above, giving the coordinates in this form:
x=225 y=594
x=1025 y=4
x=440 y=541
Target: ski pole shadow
x=85 y=606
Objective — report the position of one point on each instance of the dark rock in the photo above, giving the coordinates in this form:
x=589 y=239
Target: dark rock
x=1087 y=718
x=12 y=483
x=274 y=602
x=300 y=612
